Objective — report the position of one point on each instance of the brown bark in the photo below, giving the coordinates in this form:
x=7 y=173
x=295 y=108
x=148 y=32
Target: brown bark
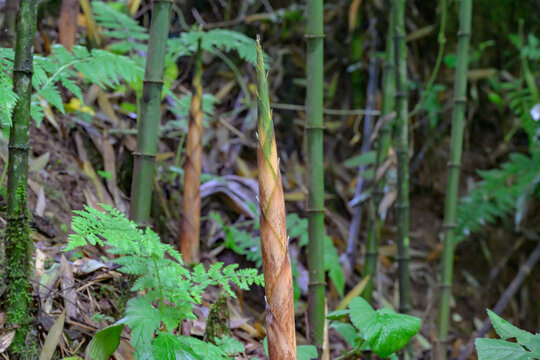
x=274 y=241
x=191 y=203
x=67 y=24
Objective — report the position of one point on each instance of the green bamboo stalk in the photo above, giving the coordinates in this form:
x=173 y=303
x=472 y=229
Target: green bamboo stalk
x=278 y=285
x=383 y=143
x=150 y=114
x=18 y=245
x=315 y=169
x=458 y=116
x=357 y=76
x=402 y=150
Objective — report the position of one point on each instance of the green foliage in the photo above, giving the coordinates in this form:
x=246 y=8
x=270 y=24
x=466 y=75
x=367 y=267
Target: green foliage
x=303 y=352
x=383 y=331
x=105 y=342
x=245 y=243
x=526 y=348
x=127 y=34
x=499 y=193
x=63 y=68
x=167 y=291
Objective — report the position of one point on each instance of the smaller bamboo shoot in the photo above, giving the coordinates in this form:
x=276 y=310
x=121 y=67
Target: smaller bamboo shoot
x=191 y=203
x=274 y=241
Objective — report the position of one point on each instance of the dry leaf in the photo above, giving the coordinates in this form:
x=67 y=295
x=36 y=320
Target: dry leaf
x=51 y=341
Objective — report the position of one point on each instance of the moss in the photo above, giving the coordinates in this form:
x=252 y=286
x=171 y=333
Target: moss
x=217 y=322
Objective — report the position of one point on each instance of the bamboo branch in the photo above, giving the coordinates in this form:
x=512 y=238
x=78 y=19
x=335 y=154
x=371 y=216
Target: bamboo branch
x=274 y=241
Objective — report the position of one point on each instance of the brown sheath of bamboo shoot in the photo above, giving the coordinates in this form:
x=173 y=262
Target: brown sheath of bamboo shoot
x=274 y=241
x=191 y=203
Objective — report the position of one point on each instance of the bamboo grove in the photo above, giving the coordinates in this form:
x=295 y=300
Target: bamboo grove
x=387 y=108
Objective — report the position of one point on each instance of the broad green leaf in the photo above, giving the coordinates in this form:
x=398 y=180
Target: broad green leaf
x=105 y=342
x=306 y=352
x=497 y=349
x=506 y=330
x=169 y=347
x=385 y=331
x=143 y=319
x=349 y=332
x=361 y=313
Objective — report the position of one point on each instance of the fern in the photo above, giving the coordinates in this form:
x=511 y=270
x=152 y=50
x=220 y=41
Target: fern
x=64 y=69
x=128 y=35
x=500 y=192
x=162 y=279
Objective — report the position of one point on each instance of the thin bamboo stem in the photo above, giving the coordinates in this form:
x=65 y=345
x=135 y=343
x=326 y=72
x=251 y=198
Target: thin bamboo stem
x=402 y=150
x=315 y=169
x=18 y=245
x=383 y=143
x=150 y=114
x=356 y=220
x=191 y=202
x=274 y=241
x=458 y=116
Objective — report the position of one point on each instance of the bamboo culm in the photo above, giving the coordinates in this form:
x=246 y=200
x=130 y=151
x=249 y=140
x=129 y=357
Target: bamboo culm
x=191 y=201
x=274 y=241
x=356 y=221
x=315 y=170
x=383 y=144
x=458 y=117
x=402 y=150
x=18 y=245
x=150 y=114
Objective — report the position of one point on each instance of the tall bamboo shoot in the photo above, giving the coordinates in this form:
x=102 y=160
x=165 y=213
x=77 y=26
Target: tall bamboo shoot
x=274 y=241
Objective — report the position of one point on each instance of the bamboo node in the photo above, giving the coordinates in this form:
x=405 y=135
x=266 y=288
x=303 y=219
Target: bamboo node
x=453 y=165
x=463 y=33
x=450 y=226
x=314 y=127
x=150 y=81
x=316 y=283
x=143 y=155
x=314 y=36
x=19 y=147
x=25 y=69
x=461 y=100
x=313 y=210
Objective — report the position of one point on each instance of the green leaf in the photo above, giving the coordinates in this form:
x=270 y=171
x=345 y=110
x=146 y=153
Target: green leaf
x=333 y=265
x=105 y=342
x=169 y=347
x=362 y=159
x=306 y=352
x=143 y=319
x=349 y=333
x=384 y=330
x=497 y=349
x=506 y=330
x=337 y=314
x=229 y=345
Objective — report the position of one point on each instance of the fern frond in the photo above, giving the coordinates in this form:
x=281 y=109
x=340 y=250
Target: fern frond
x=497 y=194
